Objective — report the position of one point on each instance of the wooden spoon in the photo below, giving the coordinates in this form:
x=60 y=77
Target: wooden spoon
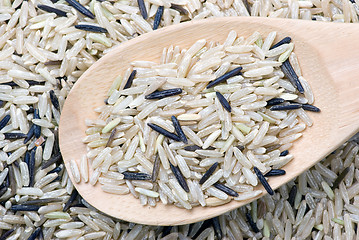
x=329 y=57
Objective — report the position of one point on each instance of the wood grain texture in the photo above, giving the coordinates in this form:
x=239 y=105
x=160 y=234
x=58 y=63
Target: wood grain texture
x=328 y=54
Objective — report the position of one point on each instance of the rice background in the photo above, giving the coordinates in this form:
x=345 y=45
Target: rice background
x=43 y=51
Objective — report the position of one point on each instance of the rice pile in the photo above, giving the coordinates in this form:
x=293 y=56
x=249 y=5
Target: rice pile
x=216 y=104
x=42 y=54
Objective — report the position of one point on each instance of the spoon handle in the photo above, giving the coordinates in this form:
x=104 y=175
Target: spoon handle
x=337 y=46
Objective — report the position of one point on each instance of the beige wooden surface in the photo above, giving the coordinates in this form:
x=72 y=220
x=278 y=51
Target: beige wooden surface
x=329 y=57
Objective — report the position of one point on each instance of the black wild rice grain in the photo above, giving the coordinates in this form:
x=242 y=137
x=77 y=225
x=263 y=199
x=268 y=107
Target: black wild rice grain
x=41 y=235
x=130 y=79
x=263 y=180
x=158 y=17
x=31 y=167
x=80 y=8
x=179 y=176
x=292 y=194
x=224 y=77
x=285 y=107
x=71 y=200
x=284 y=153
x=4 y=121
x=192 y=148
x=91 y=28
x=36 y=233
x=56 y=148
x=340 y=178
x=142 y=7
x=273 y=147
x=136 y=176
x=164 y=132
x=7 y=234
x=281 y=42
x=208 y=173
x=223 y=101
x=22 y=207
x=31 y=110
x=51 y=63
x=12 y=180
x=49 y=9
x=252 y=223
x=247 y=5
x=14 y=135
x=110 y=139
x=30 y=133
x=289 y=72
x=225 y=189
x=55 y=170
x=164 y=93
x=60 y=79
x=179 y=8
x=275 y=172
x=217 y=228
x=54 y=100
x=156 y=169
x=37 y=130
x=179 y=130
x=42 y=201
x=311 y=108
x=30 y=82
x=27 y=157
x=58 y=178
x=86 y=204
x=12 y=84
x=275 y=101
x=240 y=147
x=166 y=230
x=52 y=160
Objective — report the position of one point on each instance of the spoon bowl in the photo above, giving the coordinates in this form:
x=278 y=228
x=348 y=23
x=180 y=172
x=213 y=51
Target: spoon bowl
x=328 y=55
